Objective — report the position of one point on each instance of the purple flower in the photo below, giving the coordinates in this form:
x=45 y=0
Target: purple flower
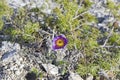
x=59 y=42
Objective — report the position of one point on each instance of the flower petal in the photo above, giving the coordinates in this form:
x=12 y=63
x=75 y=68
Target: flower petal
x=62 y=38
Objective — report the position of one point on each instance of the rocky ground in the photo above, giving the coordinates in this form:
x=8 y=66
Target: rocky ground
x=17 y=61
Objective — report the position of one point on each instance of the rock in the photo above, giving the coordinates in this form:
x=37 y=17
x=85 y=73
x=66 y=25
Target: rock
x=103 y=74
x=4 y=37
x=0 y=76
x=18 y=72
x=102 y=27
x=90 y=77
x=13 y=67
x=118 y=0
x=74 y=76
x=50 y=69
x=49 y=5
x=21 y=3
x=9 y=49
x=7 y=55
x=8 y=46
x=104 y=15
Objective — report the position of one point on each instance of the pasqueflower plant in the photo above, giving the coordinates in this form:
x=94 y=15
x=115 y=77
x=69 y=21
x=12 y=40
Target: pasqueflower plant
x=59 y=42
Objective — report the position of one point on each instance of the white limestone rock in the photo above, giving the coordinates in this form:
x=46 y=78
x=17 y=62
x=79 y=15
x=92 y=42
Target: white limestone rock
x=74 y=76
x=90 y=77
x=9 y=49
x=50 y=69
x=48 y=6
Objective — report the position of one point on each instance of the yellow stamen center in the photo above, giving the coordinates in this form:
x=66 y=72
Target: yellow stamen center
x=60 y=42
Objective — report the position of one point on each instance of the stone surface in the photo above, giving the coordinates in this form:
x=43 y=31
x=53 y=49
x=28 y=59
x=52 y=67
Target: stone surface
x=90 y=77
x=50 y=69
x=103 y=14
x=9 y=49
x=49 y=5
x=6 y=46
x=74 y=76
x=21 y=3
x=14 y=67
